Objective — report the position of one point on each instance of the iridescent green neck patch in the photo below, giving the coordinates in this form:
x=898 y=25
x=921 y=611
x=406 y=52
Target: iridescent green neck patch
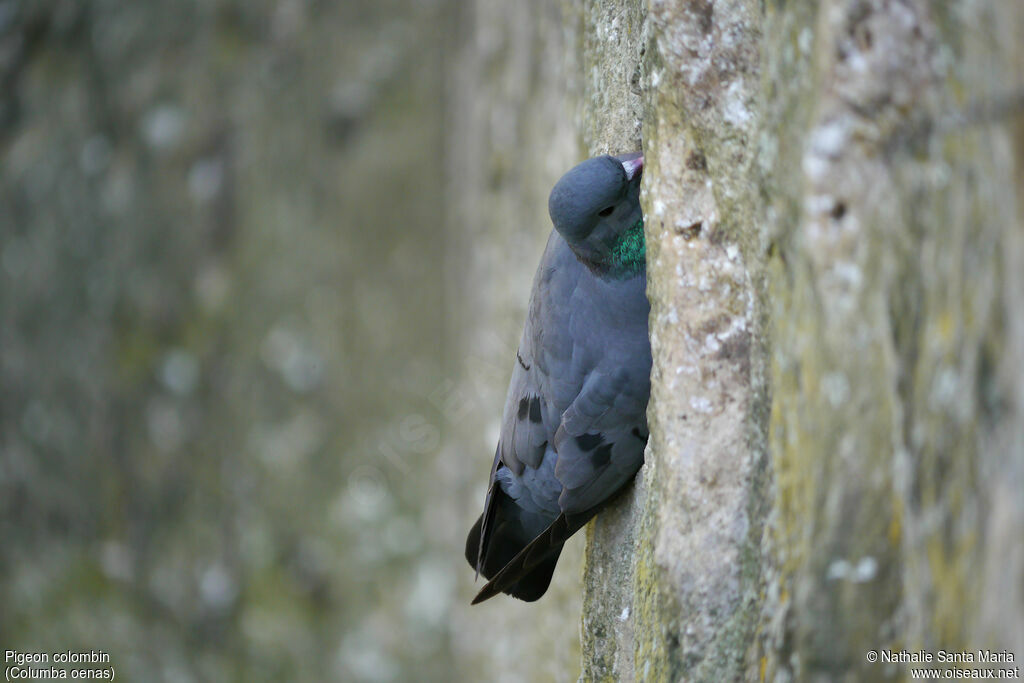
x=629 y=255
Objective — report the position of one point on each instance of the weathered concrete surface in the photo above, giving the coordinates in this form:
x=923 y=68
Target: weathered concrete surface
x=896 y=365
x=836 y=412
x=835 y=262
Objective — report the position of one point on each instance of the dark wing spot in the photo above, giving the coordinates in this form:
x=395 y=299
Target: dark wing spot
x=602 y=456
x=535 y=410
x=524 y=407
x=638 y=434
x=588 y=442
x=522 y=363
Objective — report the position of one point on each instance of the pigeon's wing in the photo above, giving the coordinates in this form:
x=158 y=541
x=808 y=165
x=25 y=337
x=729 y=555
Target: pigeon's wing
x=528 y=422
x=487 y=518
x=530 y=416
x=600 y=443
x=601 y=438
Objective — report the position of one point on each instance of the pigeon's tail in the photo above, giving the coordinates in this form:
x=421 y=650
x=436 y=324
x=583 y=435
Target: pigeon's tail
x=504 y=544
x=527 y=573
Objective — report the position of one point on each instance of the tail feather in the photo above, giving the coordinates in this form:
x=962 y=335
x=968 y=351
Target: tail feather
x=504 y=543
x=527 y=574
x=534 y=584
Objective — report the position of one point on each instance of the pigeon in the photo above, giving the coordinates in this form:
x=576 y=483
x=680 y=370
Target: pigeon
x=574 y=425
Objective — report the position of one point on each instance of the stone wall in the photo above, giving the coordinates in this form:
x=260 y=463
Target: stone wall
x=835 y=254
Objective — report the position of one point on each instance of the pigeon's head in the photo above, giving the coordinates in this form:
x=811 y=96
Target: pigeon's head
x=596 y=203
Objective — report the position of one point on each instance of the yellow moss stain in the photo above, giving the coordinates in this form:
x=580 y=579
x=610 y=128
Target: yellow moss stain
x=650 y=616
x=946 y=326
x=950 y=570
x=647 y=618
x=895 y=533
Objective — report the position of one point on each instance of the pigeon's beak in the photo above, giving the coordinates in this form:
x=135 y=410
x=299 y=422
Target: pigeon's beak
x=633 y=167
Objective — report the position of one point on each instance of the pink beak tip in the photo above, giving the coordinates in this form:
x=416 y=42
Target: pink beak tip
x=633 y=166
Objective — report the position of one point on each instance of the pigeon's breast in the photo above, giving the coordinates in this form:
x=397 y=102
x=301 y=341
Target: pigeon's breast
x=588 y=323
x=578 y=325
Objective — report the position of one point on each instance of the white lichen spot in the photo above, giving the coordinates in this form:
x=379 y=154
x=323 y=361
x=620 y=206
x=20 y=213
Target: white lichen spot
x=701 y=404
x=857 y=63
x=944 y=388
x=179 y=371
x=814 y=166
x=625 y=613
x=828 y=139
x=163 y=126
x=805 y=40
x=905 y=16
x=836 y=388
x=848 y=274
x=711 y=343
x=735 y=111
x=839 y=569
x=613 y=30
x=658 y=209
x=865 y=570
x=736 y=325
x=824 y=143
x=817 y=204
x=217 y=586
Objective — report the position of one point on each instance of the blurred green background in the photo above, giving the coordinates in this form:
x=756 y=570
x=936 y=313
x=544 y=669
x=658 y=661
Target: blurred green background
x=224 y=350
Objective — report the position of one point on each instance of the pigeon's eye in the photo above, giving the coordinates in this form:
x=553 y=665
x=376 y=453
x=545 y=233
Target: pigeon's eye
x=607 y=211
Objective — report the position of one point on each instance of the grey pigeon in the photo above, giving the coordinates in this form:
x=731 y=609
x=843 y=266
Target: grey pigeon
x=574 y=426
